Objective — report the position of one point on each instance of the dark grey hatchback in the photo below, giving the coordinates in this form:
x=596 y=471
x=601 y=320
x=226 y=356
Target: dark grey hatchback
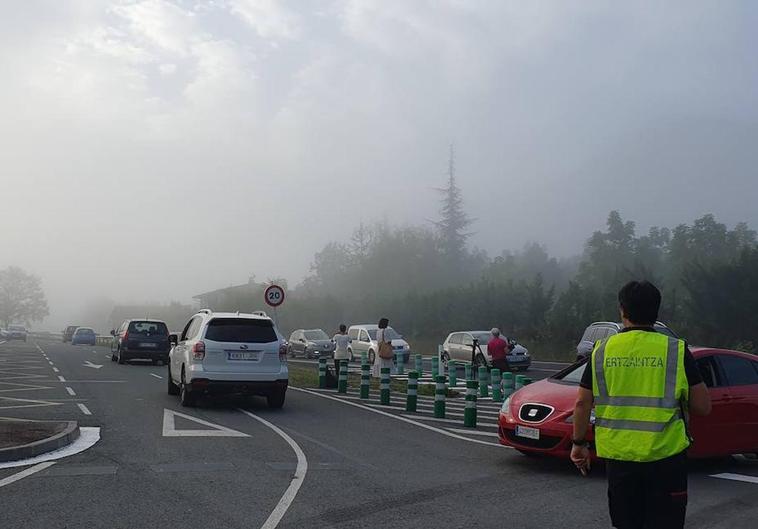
x=140 y=339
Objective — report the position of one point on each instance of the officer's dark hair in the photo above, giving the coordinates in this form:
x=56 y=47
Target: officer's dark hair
x=343 y=327
x=383 y=323
x=640 y=301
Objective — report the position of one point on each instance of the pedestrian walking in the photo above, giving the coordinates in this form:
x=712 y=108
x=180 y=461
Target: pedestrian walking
x=342 y=341
x=498 y=349
x=644 y=385
x=384 y=355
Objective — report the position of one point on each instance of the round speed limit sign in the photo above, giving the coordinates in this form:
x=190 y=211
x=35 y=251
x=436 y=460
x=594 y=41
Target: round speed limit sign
x=274 y=295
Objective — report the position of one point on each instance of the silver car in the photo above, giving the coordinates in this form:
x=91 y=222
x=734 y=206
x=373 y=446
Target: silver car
x=310 y=343
x=363 y=339
x=459 y=344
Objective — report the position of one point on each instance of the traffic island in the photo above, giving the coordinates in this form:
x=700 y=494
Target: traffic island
x=25 y=439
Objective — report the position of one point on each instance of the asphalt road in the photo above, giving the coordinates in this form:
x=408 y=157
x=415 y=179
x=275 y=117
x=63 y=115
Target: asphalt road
x=367 y=466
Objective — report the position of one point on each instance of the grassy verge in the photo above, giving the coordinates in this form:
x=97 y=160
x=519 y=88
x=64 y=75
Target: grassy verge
x=307 y=377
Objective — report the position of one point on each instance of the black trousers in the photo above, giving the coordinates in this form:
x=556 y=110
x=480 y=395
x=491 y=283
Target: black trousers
x=648 y=495
x=501 y=364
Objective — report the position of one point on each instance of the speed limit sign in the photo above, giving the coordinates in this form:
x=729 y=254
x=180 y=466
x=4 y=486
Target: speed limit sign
x=274 y=295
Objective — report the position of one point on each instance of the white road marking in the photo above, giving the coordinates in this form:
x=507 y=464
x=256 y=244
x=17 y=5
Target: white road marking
x=84 y=409
x=107 y=356
x=56 y=370
x=87 y=363
x=70 y=391
x=459 y=422
x=2 y=342
x=88 y=436
x=736 y=477
x=169 y=427
x=399 y=418
x=471 y=432
x=61 y=378
x=25 y=473
x=49 y=362
x=156 y=376
x=297 y=480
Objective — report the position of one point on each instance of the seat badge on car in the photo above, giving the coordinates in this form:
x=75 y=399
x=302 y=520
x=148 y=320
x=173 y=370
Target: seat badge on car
x=533 y=412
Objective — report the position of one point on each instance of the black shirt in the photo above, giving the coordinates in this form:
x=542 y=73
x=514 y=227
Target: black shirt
x=690 y=367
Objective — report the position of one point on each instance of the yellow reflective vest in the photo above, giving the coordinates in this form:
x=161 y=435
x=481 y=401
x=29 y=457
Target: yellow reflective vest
x=640 y=390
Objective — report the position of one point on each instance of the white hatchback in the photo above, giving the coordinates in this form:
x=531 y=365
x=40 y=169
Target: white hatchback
x=228 y=353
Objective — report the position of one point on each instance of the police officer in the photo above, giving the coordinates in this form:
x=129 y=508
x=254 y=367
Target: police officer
x=643 y=385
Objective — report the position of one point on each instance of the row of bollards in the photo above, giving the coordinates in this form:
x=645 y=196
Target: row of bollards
x=503 y=385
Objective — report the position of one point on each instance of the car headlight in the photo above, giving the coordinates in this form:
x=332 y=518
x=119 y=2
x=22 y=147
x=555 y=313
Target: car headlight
x=505 y=409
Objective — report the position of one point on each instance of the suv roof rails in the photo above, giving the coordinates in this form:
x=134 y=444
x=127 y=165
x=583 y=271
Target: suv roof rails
x=204 y=311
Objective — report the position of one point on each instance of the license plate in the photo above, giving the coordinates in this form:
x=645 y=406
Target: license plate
x=529 y=433
x=148 y=344
x=242 y=355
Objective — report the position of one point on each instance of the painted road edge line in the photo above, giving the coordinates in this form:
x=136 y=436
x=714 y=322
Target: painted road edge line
x=25 y=473
x=736 y=477
x=297 y=480
x=404 y=419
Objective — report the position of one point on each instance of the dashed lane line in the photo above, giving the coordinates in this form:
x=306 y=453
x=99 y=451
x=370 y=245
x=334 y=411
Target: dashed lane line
x=156 y=376
x=736 y=477
x=399 y=418
x=85 y=409
x=56 y=370
x=70 y=391
x=61 y=378
x=472 y=432
x=297 y=480
x=25 y=473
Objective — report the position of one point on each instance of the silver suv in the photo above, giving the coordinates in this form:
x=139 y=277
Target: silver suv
x=601 y=330
x=228 y=353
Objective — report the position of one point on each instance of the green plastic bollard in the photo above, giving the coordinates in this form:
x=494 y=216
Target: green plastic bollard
x=420 y=365
x=435 y=367
x=519 y=382
x=483 y=386
x=440 y=392
x=412 y=396
x=322 y=373
x=384 y=386
x=399 y=363
x=365 y=380
x=469 y=412
x=497 y=392
x=452 y=372
x=364 y=357
x=527 y=381
x=468 y=369
x=342 y=381
x=507 y=384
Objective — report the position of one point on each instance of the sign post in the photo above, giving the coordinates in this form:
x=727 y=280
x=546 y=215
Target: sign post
x=274 y=297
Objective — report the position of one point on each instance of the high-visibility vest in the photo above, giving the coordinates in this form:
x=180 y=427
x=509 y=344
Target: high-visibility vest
x=640 y=388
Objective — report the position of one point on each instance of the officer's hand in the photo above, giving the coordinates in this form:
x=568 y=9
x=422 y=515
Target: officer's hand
x=580 y=456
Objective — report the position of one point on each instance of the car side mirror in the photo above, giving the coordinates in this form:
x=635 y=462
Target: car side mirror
x=173 y=339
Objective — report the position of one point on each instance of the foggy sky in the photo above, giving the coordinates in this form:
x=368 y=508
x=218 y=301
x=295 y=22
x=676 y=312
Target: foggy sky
x=152 y=150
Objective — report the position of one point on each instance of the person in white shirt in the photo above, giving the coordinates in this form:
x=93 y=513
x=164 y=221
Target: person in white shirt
x=342 y=340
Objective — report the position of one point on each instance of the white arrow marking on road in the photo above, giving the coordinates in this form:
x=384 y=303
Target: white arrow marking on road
x=90 y=364
x=169 y=428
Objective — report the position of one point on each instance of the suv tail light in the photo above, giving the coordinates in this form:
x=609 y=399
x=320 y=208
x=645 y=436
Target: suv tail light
x=283 y=353
x=198 y=351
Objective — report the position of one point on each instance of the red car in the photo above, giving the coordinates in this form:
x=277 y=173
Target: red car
x=537 y=419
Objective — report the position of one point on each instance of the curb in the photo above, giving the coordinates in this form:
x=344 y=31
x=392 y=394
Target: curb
x=43 y=446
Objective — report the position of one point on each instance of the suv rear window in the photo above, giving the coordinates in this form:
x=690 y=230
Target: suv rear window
x=241 y=330
x=153 y=328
